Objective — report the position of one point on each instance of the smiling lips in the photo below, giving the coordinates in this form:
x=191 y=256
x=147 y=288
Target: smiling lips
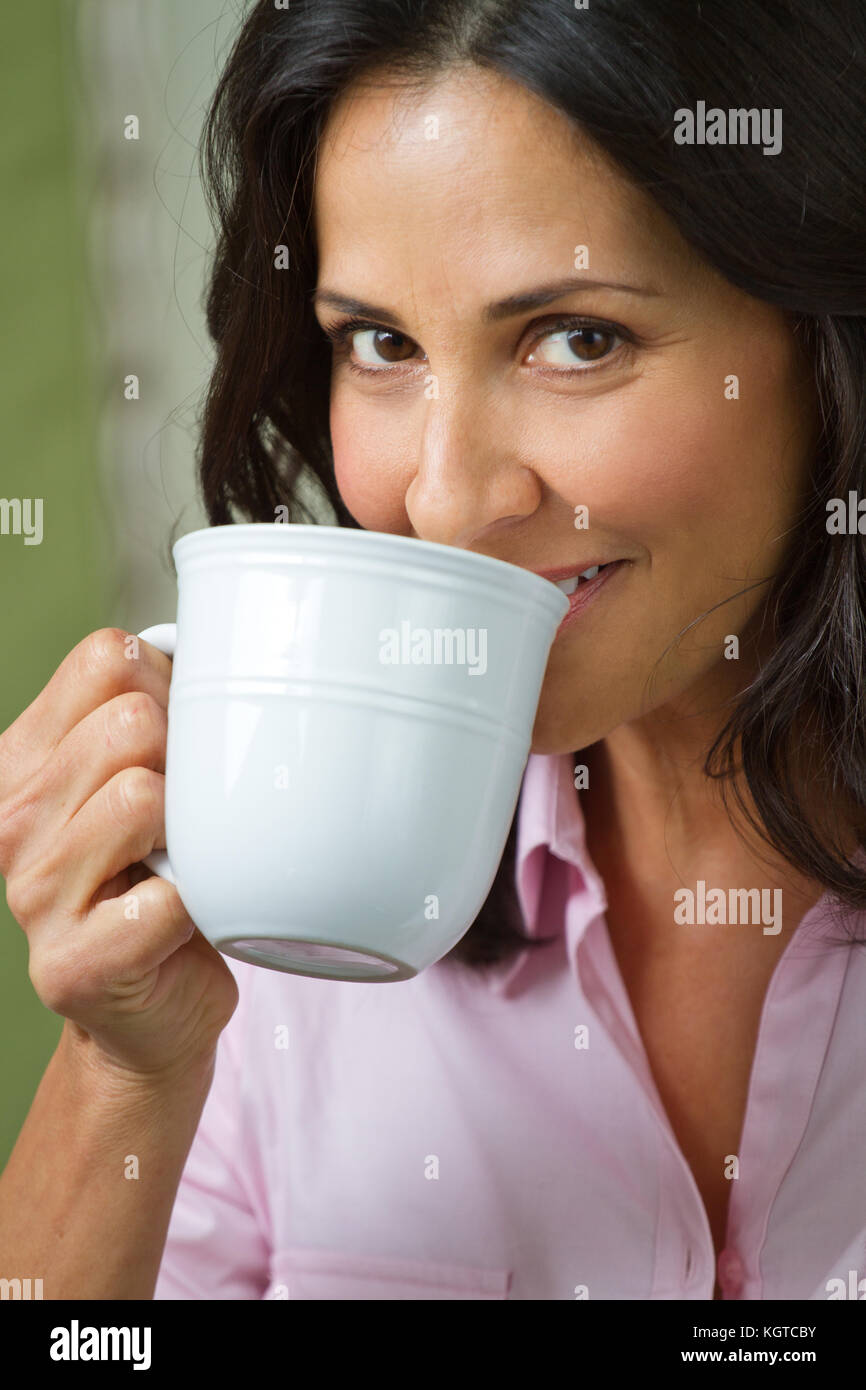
x=568 y=580
x=582 y=587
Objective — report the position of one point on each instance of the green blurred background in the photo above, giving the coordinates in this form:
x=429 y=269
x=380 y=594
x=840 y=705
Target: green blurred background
x=104 y=254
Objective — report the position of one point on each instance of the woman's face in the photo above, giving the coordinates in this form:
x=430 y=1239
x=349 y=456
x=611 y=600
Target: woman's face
x=486 y=427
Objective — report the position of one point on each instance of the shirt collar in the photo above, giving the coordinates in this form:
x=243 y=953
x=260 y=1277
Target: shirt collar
x=550 y=822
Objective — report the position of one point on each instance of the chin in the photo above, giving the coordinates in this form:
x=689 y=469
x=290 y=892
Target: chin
x=556 y=736
x=557 y=730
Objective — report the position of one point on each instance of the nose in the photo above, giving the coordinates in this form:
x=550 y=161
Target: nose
x=470 y=480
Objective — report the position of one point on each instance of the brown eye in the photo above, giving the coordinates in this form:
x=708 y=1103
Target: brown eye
x=588 y=343
x=583 y=342
x=387 y=345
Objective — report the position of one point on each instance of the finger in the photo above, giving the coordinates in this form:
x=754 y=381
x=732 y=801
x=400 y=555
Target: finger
x=129 y=731
x=113 y=951
x=104 y=664
x=121 y=824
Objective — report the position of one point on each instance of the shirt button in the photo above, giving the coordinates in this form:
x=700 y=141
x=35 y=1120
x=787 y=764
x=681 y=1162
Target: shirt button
x=730 y=1272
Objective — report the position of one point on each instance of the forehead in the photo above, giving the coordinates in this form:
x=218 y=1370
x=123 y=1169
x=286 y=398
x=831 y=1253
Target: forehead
x=473 y=171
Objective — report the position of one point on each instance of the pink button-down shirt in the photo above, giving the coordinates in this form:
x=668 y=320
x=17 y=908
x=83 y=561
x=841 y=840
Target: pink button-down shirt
x=501 y=1136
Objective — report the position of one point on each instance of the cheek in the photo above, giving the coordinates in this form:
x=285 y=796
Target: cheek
x=733 y=472
x=681 y=470
x=690 y=442
x=369 y=467
x=649 y=468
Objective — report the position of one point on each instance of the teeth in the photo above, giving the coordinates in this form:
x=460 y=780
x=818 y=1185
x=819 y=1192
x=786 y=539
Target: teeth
x=568 y=586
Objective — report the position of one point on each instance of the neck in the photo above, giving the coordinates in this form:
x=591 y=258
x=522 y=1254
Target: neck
x=655 y=822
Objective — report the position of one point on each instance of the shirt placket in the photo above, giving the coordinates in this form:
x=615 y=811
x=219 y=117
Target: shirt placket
x=793 y=1037
x=684 y=1258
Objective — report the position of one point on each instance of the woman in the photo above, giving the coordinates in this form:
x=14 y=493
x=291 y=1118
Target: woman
x=571 y=288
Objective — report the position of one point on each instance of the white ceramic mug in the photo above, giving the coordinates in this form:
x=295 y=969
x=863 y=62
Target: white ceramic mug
x=349 y=718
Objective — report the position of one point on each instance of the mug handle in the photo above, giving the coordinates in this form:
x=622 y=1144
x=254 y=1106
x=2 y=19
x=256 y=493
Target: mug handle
x=164 y=637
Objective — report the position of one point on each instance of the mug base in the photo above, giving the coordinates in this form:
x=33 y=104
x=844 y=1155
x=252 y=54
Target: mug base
x=324 y=959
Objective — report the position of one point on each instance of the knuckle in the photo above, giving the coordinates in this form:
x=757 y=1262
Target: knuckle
x=25 y=897
x=55 y=975
x=139 y=718
x=42 y=980
x=135 y=795
x=165 y=900
x=105 y=653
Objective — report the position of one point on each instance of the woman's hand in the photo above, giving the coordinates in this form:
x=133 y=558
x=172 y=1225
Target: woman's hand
x=82 y=802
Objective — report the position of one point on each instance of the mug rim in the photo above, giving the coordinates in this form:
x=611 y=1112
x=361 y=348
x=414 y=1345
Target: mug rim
x=444 y=558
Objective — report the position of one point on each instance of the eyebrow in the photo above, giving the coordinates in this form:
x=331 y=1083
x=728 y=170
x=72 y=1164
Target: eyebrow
x=514 y=304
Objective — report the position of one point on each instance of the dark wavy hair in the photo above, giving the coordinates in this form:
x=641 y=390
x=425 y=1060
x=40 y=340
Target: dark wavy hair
x=787 y=228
